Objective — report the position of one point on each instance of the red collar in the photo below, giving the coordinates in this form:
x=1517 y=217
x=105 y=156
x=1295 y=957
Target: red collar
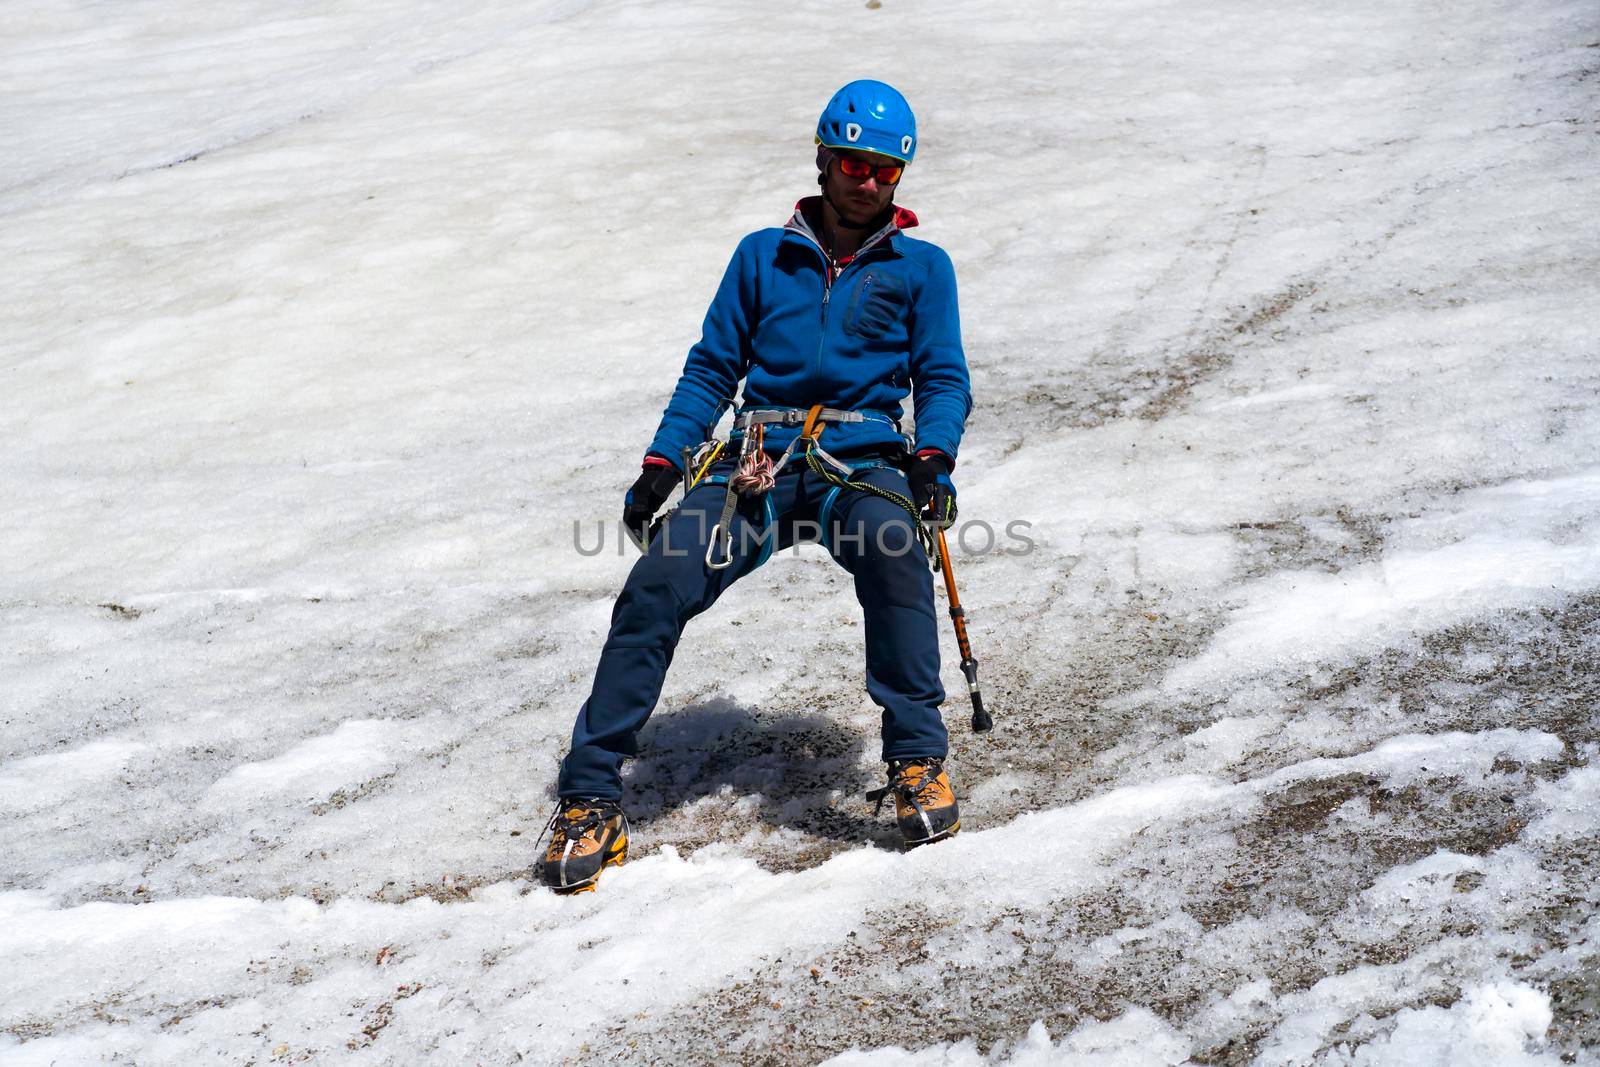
x=810 y=208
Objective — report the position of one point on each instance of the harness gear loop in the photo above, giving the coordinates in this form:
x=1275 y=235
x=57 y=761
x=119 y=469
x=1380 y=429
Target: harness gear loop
x=755 y=474
x=711 y=451
x=813 y=428
x=754 y=466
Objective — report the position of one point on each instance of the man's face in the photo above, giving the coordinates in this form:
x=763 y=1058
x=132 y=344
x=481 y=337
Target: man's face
x=859 y=200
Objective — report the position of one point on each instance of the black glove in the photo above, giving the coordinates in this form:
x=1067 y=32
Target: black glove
x=645 y=498
x=931 y=488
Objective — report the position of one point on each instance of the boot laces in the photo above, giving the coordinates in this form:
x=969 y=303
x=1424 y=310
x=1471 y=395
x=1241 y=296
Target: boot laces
x=574 y=819
x=907 y=784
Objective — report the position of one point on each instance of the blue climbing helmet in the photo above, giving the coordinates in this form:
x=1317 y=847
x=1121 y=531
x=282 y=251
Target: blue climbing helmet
x=872 y=117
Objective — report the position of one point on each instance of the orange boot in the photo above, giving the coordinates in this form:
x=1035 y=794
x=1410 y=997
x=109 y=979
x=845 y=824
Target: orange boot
x=586 y=837
x=924 y=803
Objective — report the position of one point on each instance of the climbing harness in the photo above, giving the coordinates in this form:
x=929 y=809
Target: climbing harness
x=757 y=472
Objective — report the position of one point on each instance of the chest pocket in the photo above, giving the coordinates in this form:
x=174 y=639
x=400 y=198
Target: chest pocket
x=877 y=302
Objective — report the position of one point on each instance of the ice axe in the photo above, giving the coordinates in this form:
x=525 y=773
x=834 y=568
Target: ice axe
x=981 y=722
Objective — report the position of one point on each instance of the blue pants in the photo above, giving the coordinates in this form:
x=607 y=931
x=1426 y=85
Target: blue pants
x=870 y=537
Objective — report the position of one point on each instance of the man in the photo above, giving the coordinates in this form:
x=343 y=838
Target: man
x=829 y=321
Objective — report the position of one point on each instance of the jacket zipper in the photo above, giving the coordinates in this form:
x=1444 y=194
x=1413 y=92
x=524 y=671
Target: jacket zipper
x=822 y=335
x=827 y=291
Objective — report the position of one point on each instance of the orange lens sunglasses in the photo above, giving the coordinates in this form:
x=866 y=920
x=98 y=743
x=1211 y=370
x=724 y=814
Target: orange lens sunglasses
x=860 y=170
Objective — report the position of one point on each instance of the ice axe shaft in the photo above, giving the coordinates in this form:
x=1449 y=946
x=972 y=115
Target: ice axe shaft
x=981 y=722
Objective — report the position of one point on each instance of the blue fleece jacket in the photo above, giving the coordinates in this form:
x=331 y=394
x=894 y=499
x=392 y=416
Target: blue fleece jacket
x=884 y=328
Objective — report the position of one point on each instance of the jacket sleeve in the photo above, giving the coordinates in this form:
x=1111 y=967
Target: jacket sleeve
x=716 y=363
x=941 y=389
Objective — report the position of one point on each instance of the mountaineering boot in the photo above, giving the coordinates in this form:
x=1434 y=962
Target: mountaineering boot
x=586 y=837
x=924 y=803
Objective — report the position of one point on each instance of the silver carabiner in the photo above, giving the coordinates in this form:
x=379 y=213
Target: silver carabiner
x=727 y=537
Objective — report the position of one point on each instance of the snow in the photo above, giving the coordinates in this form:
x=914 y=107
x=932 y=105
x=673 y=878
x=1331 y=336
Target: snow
x=1490 y=1026
x=37 y=782
x=1514 y=545
x=324 y=328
